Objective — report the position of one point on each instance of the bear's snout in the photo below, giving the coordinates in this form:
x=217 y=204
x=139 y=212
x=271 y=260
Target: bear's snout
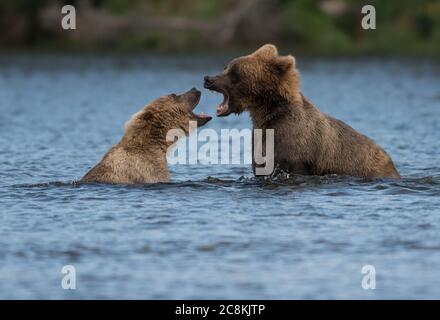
x=209 y=82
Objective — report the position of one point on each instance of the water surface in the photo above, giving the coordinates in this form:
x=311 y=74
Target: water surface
x=213 y=231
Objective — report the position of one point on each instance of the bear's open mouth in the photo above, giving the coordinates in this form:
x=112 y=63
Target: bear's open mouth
x=201 y=118
x=223 y=108
x=194 y=101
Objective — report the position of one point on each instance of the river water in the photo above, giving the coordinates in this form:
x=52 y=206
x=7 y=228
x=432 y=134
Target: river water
x=213 y=231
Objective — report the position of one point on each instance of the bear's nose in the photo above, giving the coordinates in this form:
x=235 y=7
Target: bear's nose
x=208 y=81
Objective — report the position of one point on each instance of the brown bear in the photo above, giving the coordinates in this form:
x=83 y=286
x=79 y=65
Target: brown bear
x=306 y=141
x=140 y=156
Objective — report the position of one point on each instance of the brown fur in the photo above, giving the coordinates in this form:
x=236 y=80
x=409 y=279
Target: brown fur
x=307 y=141
x=140 y=156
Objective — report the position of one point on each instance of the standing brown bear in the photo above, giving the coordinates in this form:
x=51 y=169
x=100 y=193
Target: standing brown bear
x=306 y=141
x=140 y=156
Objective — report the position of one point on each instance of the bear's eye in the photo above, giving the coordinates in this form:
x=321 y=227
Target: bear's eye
x=234 y=75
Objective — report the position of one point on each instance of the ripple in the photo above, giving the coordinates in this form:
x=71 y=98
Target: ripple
x=214 y=230
x=403 y=186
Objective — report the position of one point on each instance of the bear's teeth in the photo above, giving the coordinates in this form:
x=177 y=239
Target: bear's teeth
x=222 y=109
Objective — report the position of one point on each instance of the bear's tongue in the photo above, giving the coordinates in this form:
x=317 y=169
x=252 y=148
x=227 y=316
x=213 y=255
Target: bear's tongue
x=202 y=115
x=223 y=108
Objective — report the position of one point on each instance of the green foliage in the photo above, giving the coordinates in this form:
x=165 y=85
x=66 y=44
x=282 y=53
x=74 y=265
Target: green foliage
x=119 y=6
x=403 y=26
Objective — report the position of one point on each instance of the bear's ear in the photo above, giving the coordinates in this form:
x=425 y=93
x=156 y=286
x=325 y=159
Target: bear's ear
x=282 y=64
x=267 y=51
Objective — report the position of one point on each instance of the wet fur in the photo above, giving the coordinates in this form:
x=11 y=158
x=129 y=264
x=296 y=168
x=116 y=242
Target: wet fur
x=307 y=141
x=140 y=156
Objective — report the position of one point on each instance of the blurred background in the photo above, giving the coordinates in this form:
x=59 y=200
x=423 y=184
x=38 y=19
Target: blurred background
x=214 y=231
x=405 y=27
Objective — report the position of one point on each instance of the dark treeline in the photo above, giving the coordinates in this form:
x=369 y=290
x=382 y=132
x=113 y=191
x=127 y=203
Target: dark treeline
x=322 y=27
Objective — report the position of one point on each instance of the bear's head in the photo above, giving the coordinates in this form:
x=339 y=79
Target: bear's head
x=262 y=78
x=151 y=124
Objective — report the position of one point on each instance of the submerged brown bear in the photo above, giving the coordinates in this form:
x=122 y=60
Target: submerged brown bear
x=140 y=156
x=306 y=141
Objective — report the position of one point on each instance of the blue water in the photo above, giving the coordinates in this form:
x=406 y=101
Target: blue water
x=214 y=231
